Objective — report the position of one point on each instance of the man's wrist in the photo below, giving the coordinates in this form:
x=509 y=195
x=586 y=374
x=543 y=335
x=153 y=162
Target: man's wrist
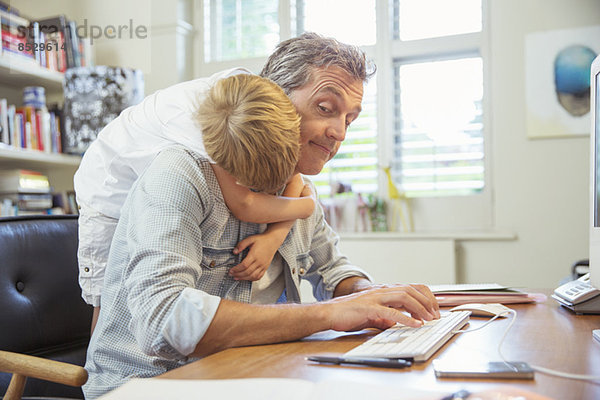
x=351 y=285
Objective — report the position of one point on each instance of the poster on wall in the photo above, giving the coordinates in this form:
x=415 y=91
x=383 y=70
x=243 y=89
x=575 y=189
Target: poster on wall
x=557 y=80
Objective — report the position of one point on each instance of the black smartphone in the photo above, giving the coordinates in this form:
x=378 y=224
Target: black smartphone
x=483 y=370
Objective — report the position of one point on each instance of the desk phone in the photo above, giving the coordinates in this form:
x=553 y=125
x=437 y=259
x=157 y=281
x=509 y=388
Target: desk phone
x=579 y=295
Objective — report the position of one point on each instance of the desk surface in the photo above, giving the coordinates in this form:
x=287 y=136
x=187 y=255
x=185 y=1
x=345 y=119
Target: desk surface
x=544 y=334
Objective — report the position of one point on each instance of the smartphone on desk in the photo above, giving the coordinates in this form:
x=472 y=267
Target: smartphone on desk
x=483 y=370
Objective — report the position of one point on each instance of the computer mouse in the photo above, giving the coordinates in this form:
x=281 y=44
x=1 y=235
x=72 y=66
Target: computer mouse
x=484 y=310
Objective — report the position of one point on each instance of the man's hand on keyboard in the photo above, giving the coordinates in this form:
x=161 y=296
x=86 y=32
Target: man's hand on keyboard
x=382 y=306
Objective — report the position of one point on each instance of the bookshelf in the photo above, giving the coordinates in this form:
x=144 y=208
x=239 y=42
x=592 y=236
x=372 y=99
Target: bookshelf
x=15 y=74
x=18 y=73
x=16 y=157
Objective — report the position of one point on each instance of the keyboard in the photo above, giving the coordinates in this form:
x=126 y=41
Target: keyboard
x=418 y=344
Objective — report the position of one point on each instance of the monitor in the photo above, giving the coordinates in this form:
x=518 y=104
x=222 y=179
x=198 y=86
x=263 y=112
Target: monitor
x=595 y=174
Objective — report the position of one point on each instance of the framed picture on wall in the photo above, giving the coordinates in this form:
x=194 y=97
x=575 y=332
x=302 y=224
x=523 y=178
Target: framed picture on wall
x=557 y=81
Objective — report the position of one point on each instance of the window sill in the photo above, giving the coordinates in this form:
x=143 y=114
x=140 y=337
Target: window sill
x=459 y=236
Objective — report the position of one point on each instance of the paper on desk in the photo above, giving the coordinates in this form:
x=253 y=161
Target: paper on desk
x=260 y=389
x=469 y=287
x=454 y=295
x=456 y=299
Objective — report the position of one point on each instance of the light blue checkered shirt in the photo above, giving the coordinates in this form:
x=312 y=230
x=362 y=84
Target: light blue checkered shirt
x=167 y=270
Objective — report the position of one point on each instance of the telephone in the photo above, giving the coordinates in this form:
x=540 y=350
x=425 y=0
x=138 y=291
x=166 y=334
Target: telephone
x=579 y=296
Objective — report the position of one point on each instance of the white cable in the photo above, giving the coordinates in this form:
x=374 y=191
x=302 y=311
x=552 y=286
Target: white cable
x=512 y=322
x=567 y=375
x=543 y=370
x=537 y=368
x=482 y=326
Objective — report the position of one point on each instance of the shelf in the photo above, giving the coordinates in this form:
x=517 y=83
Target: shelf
x=25 y=158
x=17 y=72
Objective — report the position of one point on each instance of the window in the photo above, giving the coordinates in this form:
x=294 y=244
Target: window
x=424 y=114
x=437 y=147
x=438 y=144
x=423 y=19
x=438 y=136
x=340 y=19
x=239 y=29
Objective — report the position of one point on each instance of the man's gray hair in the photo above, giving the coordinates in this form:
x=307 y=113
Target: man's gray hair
x=293 y=61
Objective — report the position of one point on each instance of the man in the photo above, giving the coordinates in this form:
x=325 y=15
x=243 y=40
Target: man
x=168 y=296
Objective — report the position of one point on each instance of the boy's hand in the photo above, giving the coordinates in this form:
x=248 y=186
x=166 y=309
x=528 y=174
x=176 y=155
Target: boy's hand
x=255 y=264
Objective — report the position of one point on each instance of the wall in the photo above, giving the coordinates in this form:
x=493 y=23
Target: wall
x=540 y=186
x=164 y=55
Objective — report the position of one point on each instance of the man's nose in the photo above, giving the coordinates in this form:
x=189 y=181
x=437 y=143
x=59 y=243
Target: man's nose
x=337 y=130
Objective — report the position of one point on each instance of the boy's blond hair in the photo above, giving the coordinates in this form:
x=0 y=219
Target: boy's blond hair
x=251 y=129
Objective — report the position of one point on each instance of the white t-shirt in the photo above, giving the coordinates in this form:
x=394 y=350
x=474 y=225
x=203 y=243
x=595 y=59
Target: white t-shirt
x=127 y=145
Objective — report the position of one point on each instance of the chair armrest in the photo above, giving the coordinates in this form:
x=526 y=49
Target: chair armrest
x=41 y=368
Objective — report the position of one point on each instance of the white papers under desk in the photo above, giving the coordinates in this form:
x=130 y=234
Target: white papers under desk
x=259 y=389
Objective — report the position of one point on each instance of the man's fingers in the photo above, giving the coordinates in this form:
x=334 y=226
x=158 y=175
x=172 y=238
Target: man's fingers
x=427 y=292
x=393 y=315
x=409 y=299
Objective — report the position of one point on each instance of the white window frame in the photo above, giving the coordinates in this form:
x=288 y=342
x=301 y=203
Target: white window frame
x=254 y=64
x=450 y=214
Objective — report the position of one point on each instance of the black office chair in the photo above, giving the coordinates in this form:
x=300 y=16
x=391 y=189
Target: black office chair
x=580 y=268
x=45 y=322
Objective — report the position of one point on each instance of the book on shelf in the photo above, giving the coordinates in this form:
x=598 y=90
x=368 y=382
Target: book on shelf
x=15 y=204
x=66 y=202
x=15 y=37
x=29 y=201
x=4 y=133
x=30 y=128
x=63 y=47
x=23 y=181
x=52 y=43
x=4 y=6
x=25 y=192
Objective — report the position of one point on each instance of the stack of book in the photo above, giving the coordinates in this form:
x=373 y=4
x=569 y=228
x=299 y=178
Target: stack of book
x=30 y=127
x=52 y=43
x=14 y=35
x=24 y=192
x=59 y=46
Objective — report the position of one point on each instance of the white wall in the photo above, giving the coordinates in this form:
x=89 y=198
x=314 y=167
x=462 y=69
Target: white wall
x=44 y=8
x=540 y=186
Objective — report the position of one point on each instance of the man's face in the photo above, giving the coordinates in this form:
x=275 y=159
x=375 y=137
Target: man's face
x=327 y=105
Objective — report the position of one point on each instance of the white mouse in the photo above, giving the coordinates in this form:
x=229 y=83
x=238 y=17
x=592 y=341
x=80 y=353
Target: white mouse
x=484 y=310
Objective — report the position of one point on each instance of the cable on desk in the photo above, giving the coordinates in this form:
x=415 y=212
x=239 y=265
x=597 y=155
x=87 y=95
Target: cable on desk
x=536 y=368
x=482 y=326
x=539 y=369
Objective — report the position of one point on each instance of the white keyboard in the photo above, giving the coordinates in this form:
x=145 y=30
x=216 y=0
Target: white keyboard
x=418 y=344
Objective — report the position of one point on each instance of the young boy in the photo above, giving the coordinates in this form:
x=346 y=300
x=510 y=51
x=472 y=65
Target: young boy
x=245 y=123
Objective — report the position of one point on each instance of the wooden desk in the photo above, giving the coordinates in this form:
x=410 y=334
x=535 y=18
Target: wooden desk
x=544 y=334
